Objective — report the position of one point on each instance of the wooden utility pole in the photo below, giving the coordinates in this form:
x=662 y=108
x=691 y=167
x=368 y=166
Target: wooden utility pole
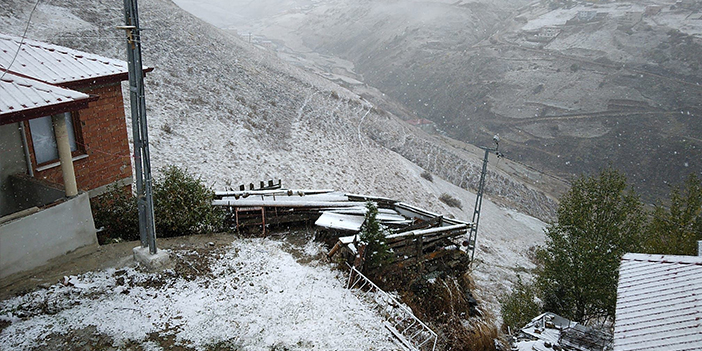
x=142 y=163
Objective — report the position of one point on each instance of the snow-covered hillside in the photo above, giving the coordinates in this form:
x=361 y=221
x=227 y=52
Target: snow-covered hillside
x=234 y=113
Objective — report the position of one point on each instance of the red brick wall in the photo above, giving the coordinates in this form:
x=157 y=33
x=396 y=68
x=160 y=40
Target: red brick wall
x=103 y=130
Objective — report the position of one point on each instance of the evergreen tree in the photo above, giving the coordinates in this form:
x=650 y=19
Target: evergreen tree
x=676 y=230
x=373 y=234
x=598 y=221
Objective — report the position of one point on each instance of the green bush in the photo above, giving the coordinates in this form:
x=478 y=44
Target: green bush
x=675 y=229
x=182 y=206
x=116 y=213
x=520 y=306
x=599 y=219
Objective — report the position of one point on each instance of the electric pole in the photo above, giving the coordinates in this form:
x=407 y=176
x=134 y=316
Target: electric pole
x=473 y=233
x=142 y=163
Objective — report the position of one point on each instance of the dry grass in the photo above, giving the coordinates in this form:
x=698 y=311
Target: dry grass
x=450 y=200
x=427 y=175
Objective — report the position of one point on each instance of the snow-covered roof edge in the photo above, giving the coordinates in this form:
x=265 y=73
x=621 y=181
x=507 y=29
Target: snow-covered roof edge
x=657 y=303
x=58 y=65
x=23 y=98
x=657 y=258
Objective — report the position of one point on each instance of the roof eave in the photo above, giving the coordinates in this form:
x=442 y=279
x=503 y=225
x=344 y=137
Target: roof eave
x=27 y=114
x=101 y=80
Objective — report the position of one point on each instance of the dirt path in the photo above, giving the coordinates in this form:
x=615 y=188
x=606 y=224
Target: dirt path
x=106 y=256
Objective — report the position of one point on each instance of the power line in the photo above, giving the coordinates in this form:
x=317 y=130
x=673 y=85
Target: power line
x=24 y=36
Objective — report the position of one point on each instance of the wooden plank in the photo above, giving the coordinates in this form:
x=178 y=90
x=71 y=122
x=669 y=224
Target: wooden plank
x=424 y=224
x=272 y=192
x=334 y=249
x=427 y=232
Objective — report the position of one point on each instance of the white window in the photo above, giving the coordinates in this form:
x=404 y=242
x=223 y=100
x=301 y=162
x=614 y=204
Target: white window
x=44 y=138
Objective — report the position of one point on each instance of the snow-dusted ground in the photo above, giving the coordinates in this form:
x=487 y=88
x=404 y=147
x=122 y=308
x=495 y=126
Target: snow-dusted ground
x=560 y=16
x=233 y=113
x=504 y=239
x=258 y=297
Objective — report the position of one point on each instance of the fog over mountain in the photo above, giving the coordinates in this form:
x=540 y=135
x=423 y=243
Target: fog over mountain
x=570 y=86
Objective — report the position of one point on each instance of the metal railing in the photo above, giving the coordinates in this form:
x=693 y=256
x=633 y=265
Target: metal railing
x=412 y=333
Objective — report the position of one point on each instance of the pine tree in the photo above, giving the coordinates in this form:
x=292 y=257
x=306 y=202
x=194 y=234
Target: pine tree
x=373 y=234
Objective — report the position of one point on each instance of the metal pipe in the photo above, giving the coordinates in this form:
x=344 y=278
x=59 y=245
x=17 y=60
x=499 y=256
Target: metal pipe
x=25 y=146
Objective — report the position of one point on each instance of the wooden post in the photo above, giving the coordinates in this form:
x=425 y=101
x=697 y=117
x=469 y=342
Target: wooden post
x=420 y=263
x=334 y=249
x=64 y=150
x=360 y=257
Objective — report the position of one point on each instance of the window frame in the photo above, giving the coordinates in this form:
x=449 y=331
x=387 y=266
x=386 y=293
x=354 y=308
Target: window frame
x=77 y=136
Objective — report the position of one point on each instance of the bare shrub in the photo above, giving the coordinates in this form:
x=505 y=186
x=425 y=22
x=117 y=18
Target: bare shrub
x=427 y=175
x=166 y=128
x=450 y=200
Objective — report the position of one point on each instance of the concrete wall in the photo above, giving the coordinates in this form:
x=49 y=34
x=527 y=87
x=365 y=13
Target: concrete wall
x=12 y=161
x=32 y=241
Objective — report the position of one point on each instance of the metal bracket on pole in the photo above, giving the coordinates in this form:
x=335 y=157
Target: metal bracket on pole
x=142 y=163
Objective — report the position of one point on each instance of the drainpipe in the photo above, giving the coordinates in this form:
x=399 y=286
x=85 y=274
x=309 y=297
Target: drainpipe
x=64 y=150
x=699 y=248
x=25 y=146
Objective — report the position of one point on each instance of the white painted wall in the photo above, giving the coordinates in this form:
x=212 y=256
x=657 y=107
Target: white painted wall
x=32 y=241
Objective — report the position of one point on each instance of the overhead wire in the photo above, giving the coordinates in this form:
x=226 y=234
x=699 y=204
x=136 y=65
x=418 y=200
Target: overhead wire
x=24 y=36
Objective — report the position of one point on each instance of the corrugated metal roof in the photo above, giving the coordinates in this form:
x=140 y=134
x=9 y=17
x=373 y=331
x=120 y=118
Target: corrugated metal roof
x=659 y=303
x=340 y=221
x=19 y=95
x=55 y=64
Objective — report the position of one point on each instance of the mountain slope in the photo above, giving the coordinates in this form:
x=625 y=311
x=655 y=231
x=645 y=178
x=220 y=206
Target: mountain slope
x=233 y=113
x=567 y=96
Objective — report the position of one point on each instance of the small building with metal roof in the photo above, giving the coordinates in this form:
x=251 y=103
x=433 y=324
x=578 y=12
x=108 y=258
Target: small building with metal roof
x=659 y=304
x=63 y=136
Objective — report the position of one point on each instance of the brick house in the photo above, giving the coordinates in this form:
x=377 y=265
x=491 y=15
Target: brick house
x=99 y=143
x=56 y=104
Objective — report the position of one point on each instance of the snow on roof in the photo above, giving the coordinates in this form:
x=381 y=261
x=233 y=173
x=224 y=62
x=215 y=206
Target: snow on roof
x=20 y=97
x=658 y=303
x=340 y=221
x=55 y=64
